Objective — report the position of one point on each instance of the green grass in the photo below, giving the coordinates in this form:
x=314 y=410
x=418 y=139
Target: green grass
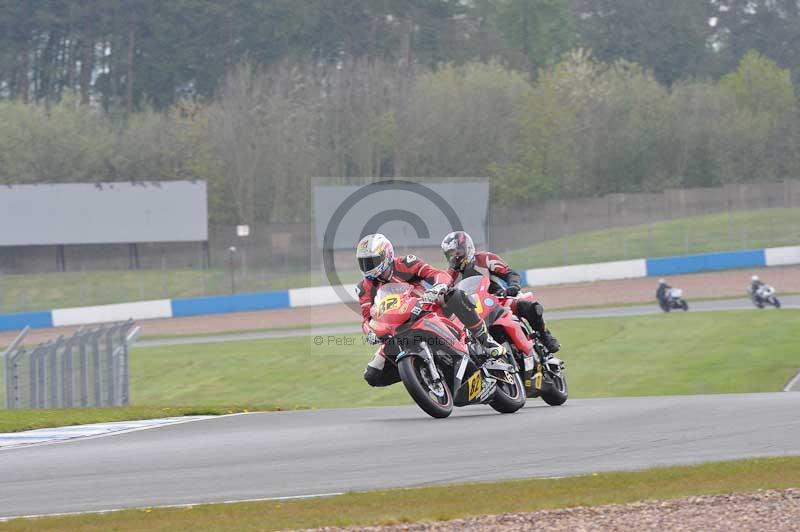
x=717 y=232
x=714 y=352
x=441 y=503
x=697 y=234
x=17 y=420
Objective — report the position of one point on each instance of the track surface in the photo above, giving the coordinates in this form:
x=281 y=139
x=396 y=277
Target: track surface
x=323 y=451
x=608 y=312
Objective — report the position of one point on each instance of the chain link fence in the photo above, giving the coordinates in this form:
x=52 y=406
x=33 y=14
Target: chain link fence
x=87 y=369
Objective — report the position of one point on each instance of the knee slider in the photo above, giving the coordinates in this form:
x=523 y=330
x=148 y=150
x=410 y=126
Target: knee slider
x=373 y=376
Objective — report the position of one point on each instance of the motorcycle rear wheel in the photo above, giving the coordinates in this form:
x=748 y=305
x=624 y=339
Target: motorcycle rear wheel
x=410 y=369
x=508 y=399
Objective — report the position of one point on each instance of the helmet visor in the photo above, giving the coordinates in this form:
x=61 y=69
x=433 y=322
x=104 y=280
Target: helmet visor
x=367 y=264
x=455 y=258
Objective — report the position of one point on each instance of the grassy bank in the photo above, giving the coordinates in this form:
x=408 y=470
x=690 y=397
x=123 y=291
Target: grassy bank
x=689 y=353
x=717 y=232
x=697 y=234
x=442 y=503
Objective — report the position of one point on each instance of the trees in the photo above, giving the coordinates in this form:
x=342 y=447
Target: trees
x=670 y=37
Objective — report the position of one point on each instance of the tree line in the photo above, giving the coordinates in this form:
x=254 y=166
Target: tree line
x=549 y=98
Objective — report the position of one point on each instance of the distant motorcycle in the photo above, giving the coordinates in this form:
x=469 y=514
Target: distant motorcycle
x=673 y=300
x=763 y=295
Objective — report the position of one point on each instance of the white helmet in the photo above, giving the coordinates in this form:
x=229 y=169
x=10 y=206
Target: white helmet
x=662 y=281
x=754 y=278
x=375 y=255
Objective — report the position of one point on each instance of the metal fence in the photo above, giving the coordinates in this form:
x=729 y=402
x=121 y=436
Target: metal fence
x=89 y=368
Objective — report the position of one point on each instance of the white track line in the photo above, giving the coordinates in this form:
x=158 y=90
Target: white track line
x=791 y=384
x=189 y=505
x=78 y=437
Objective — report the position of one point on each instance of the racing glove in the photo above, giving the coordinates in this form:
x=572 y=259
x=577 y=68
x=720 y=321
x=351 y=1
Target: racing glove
x=372 y=338
x=512 y=290
x=435 y=294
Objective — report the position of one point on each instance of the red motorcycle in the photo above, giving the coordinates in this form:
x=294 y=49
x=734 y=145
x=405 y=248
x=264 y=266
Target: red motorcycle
x=439 y=364
x=543 y=374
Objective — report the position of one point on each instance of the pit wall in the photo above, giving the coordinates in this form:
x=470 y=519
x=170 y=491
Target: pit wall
x=323 y=295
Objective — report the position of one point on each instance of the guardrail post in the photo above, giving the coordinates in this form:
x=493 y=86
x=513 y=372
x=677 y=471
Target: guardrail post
x=41 y=385
x=84 y=371
x=110 y=369
x=9 y=357
x=98 y=396
x=52 y=373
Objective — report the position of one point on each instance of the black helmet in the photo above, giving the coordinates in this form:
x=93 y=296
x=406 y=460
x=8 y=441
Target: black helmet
x=458 y=250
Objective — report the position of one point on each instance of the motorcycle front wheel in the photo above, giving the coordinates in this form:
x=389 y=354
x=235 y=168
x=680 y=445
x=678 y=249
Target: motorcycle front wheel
x=554 y=390
x=684 y=306
x=434 y=398
x=509 y=398
x=776 y=302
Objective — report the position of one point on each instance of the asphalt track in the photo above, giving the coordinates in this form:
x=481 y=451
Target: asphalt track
x=302 y=453
x=607 y=312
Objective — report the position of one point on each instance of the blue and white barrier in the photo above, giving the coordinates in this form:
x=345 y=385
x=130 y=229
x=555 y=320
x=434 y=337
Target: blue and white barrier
x=325 y=295
x=584 y=273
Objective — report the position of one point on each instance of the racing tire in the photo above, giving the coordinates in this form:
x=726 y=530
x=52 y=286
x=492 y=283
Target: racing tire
x=684 y=306
x=507 y=402
x=555 y=390
x=410 y=373
x=776 y=302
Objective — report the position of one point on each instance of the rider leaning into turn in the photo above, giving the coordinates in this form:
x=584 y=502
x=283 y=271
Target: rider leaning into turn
x=459 y=250
x=378 y=265
x=755 y=283
x=662 y=292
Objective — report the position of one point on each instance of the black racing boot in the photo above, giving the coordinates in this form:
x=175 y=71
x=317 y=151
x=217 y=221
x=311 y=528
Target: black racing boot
x=490 y=346
x=550 y=342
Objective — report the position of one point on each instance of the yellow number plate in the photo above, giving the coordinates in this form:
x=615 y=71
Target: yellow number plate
x=474 y=386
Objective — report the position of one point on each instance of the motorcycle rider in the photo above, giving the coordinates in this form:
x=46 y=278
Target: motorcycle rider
x=459 y=250
x=662 y=293
x=378 y=265
x=755 y=284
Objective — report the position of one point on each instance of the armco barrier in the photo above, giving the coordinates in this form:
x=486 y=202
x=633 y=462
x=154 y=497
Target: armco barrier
x=306 y=297
x=705 y=262
x=782 y=256
x=580 y=273
x=137 y=310
x=318 y=295
x=195 y=306
x=34 y=320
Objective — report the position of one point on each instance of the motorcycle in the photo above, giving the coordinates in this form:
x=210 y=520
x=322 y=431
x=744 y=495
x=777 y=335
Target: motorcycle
x=763 y=295
x=543 y=373
x=674 y=301
x=439 y=365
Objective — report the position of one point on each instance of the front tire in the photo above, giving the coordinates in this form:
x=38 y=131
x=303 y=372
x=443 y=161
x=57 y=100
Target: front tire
x=684 y=306
x=507 y=400
x=412 y=371
x=776 y=302
x=555 y=390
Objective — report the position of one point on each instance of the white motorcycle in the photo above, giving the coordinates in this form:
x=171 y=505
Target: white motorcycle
x=674 y=301
x=763 y=295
